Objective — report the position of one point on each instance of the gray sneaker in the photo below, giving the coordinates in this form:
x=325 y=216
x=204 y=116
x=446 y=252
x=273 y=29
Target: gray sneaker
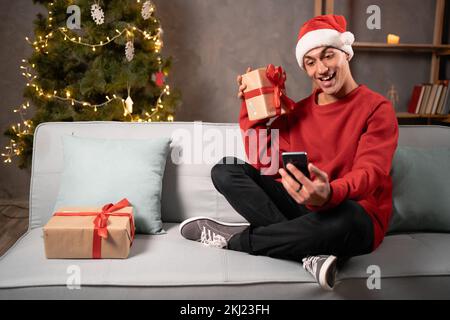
x=210 y=232
x=323 y=268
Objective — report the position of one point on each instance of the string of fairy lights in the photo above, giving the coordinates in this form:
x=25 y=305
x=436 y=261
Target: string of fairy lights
x=41 y=45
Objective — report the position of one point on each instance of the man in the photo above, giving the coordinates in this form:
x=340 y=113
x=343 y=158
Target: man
x=350 y=134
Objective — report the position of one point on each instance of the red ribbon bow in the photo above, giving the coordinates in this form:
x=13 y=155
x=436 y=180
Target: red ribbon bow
x=101 y=223
x=101 y=220
x=277 y=77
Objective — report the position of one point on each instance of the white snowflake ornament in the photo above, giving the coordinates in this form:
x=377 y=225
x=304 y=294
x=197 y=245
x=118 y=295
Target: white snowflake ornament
x=129 y=50
x=97 y=14
x=147 y=10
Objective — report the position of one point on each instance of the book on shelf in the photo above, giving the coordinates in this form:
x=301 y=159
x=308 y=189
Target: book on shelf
x=416 y=96
x=420 y=108
x=430 y=98
x=445 y=105
x=422 y=92
x=442 y=100
x=436 y=99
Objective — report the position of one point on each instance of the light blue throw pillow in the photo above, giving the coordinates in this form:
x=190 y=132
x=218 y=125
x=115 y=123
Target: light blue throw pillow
x=421 y=190
x=100 y=171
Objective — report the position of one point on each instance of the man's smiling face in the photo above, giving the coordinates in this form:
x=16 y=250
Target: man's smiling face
x=328 y=67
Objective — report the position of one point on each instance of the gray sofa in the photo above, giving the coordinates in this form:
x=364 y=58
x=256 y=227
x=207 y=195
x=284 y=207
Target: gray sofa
x=411 y=264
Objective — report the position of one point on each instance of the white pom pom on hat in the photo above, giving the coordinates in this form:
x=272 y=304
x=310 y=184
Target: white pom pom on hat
x=347 y=38
x=324 y=30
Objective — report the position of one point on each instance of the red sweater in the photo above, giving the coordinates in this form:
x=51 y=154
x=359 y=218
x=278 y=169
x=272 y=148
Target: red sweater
x=353 y=140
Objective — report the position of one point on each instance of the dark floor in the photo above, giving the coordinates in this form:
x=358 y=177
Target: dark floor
x=13 y=222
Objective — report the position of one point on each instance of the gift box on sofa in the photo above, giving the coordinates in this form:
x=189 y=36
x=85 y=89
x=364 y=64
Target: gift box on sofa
x=265 y=95
x=90 y=232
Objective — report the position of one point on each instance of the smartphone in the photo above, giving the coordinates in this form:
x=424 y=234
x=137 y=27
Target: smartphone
x=299 y=160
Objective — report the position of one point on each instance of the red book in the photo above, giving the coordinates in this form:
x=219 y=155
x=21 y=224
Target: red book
x=414 y=99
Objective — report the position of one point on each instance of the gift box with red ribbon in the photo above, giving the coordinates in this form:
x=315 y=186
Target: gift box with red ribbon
x=90 y=232
x=265 y=95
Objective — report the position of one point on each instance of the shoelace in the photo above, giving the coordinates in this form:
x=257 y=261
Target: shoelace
x=212 y=239
x=310 y=264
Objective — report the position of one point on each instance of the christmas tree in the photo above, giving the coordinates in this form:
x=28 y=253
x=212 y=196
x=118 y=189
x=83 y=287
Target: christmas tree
x=93 y=61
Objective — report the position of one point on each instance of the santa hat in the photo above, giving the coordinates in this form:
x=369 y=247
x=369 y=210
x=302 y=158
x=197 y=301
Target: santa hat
x=325 y=30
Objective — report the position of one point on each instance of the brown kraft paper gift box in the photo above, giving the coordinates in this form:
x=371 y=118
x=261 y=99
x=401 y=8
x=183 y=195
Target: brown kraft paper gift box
x=260 y=94
x=73 y=235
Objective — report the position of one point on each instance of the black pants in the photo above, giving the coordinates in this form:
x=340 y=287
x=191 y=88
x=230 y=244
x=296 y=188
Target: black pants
x=282 y=228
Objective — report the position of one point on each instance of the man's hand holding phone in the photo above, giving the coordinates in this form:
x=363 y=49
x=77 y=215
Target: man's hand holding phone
x=305 y=191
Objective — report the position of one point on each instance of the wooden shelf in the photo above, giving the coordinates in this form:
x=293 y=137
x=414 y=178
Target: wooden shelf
x=442 y=49
x=407 y=115
x=406 y=118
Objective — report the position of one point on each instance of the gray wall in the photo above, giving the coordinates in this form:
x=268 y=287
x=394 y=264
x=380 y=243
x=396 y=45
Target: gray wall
x=15 y=24
x=214 y=40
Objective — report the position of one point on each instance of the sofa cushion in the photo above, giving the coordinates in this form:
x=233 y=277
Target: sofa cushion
x=154 y=260
x=99 y=171
x=421 y=190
